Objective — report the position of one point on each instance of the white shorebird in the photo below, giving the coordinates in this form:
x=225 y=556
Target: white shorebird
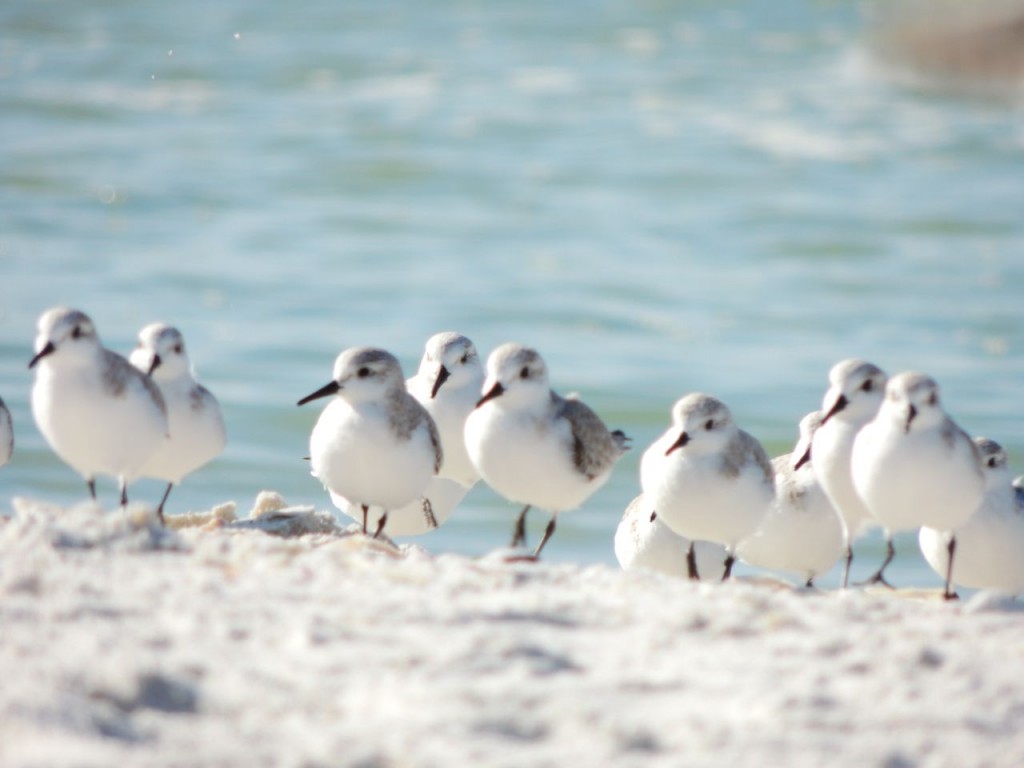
x=913 y=466
x=706 y=478
x=98 y=413
x=448 y=385
x=642 y=540
x=195 y=425
x=855 y=392
x=990 y=545
x=533 y=446
x=802 y=532
x=373 y=445
x=6 y=434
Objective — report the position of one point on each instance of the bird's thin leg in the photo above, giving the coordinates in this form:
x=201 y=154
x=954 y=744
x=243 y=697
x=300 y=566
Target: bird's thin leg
x=160 y=509
x=691 y=563
x=846 y=566
x=366 y=510
x=380 y=525
x=809 y=584
x=519 y=533
x=428 y=513
x=878 y=577
x=951 y=549
x=547 y=535
x=92 y=487
x=124 y=494
x=729 y=560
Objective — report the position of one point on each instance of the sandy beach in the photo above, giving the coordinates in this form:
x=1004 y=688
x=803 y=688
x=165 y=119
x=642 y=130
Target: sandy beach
x=240 y=643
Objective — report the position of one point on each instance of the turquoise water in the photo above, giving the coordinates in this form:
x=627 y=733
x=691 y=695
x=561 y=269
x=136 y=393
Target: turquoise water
x=662 y=197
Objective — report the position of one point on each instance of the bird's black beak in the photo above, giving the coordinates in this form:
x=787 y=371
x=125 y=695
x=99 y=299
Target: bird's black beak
x=840 y=403
x=911 y=413
x=682 y=440
x=49 y=349
x=154 y=364
x=324 y=391
x=804 y=457
x=442 y=376
x=495 y=391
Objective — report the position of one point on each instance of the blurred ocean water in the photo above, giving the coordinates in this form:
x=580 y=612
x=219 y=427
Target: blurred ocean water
x=662 y=197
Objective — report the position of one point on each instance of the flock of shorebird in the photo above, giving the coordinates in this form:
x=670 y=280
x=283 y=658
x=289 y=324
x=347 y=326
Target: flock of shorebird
x=398 y=456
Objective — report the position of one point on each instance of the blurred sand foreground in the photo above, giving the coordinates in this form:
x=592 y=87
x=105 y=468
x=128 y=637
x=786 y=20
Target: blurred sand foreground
x=124 y=644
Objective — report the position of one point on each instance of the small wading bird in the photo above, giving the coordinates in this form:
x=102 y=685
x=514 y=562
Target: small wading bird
x=374 y=444
x=533 y=446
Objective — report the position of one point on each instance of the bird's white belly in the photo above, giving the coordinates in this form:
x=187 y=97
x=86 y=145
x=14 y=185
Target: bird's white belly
x=912 y=480
x=696 y=500
x=831 y=456
x=357 y=458
x=195 y=437
x=527 y=462
x=92 y=430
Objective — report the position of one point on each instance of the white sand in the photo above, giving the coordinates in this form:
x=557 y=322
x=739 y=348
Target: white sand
x=127 y=645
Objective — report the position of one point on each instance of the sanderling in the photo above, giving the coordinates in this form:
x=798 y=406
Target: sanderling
x=990 y=545
x=533 y=446
x=802 y=532
x=448 y=385
x=644 y=541
x=856 y=389
x=374 y=444
x=6 y=434
x=195 y=425
x=706 y=478
x=98 y=413
x=913 y=466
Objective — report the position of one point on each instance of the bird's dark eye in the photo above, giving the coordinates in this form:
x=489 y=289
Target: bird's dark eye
x=992 y=462
x=709 y=424
x=465 y=358
x=525 y=373
x=933 y=399
x=867 y=386
x=363 y=372
x=76 y=332
x=178 y=349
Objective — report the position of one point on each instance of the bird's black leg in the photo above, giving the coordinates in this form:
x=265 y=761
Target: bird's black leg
x=729 y=560
x=519 y=533
x=846 y=566
x=951 y=549
x=878 y=577
x=380 y=525
x=691 y=563
x=547 y=535
x=124 y=494
x=160 y=509
x=366 y=510
x=428 y=513
x=92 y=487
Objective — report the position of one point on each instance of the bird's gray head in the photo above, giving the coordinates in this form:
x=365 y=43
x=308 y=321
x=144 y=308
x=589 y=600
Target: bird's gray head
x=161 y=352
x=913 y=399
x=994 y=461
x=517 y=374
x=856 y=388
x=360 y=374
x=64 y=336
x=809 y=424
x=701 y=423
x=451 y=360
